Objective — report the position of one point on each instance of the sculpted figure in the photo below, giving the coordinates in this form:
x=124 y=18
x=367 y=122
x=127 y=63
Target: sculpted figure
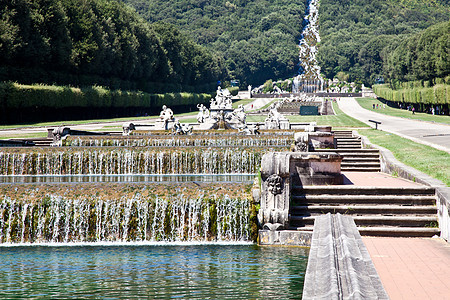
x=240 y=114
x=181 y=129
x=166 y=115
x=201 y=113
x=274 y=183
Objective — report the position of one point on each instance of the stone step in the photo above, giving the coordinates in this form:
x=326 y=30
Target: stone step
x=356 y=169
x=382 y=210
x=404 y=200
x=348 y=143
x=351 y=151
x=387 y=231
x=343 y=132
x=360 y=164
x=375 y=220
x=361 y=190
x=399 y=231
x=360 y=156
x=344 y=141
x=347 y=147
x=357 y=159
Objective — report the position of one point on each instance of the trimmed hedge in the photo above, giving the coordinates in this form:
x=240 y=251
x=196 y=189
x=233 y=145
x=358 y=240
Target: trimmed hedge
x=234 y=90
x=23 y=100
x=411 y=92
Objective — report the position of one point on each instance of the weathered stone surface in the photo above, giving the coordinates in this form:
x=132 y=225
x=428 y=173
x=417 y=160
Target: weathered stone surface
x=285 y=238
x=313 y=140
x=339 y=265
x=281 y=170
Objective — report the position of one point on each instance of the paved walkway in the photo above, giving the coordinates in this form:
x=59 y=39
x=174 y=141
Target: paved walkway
x=435 y=135
x=376 y=179
x=412 y=268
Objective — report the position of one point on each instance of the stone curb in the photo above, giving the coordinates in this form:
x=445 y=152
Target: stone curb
x=339 y=265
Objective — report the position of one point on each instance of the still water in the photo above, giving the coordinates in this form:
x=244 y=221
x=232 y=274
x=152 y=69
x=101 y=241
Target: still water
x=182 y=271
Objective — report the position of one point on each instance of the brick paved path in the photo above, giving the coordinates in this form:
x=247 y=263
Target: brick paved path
x=412 y=268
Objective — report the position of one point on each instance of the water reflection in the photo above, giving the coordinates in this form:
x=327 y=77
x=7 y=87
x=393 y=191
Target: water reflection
x=124 y=272
x=127 y=178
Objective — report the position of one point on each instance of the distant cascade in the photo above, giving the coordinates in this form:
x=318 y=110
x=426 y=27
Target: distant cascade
x=62 y=218
x=112 y=161
x=310 y=79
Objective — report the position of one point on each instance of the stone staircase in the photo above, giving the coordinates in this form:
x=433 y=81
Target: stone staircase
x=354 y=157
x=385 y=211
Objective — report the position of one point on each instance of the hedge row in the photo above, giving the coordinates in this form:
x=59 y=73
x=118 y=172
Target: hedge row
x=438 y=94
x=16 y=96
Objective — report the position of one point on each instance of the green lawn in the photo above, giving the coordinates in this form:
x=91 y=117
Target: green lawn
x=25 y=136
x=73 y=122
x=340 y=120
x=367 y=103
x=426 y=159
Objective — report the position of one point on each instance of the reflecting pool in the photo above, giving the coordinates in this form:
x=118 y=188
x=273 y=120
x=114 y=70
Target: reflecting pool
x=153 y=271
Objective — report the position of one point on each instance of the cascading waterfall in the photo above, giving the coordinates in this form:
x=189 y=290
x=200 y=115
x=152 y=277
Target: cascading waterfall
x=68 y=214
x=111 y=161
x=234 y=141
x=310 y=79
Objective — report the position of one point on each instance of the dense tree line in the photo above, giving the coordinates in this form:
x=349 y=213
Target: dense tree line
x=103 y=42
x=355 y=32
x=256 y=39
x=424 y=56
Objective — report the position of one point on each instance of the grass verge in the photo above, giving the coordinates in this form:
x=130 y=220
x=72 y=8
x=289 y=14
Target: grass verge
x=435 y=163
x=368 y=103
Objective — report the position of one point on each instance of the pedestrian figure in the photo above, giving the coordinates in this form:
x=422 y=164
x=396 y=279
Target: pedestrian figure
x=413 y=110
x=373 y=106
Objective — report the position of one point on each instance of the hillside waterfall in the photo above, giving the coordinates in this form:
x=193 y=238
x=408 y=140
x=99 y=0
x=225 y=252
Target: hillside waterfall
x=310 y=79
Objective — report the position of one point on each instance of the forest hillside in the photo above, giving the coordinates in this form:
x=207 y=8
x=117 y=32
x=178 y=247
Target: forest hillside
x=355 y=32
x=257 y=39
x=99 y=42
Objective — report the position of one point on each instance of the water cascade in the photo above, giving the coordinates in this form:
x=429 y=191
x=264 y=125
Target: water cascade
x=110 y=161
x=119 y=213
x=310 y=80
x=185 y=141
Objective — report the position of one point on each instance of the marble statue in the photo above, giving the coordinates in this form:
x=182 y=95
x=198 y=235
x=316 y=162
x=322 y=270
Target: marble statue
x=166 y=115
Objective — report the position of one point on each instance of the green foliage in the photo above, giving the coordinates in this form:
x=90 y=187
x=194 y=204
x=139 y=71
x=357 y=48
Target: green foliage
x=100 y=42
x=256 y=39
x=423 y=56
x=392 y=110
x=426 y=159
x=411 y=93
x=15 y=97
x=268 y=86
x=234 y=90
x=356 y=35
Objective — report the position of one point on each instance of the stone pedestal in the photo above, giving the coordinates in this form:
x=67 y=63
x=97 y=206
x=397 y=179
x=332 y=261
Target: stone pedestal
x=280 y=124
x=322 y=128
x=282 y=170
x=309 y=141
x=160 y=125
